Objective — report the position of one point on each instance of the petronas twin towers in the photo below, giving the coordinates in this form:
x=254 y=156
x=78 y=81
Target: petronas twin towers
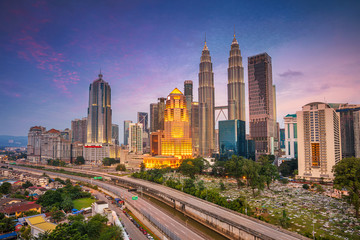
x=236 y=96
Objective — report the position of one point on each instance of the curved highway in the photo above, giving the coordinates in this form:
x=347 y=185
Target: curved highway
x=179 y=230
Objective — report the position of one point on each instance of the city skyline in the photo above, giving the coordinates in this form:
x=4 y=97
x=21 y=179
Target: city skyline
x=47 y=66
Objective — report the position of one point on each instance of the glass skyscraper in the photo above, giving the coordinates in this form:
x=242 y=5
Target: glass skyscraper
x=232 y=138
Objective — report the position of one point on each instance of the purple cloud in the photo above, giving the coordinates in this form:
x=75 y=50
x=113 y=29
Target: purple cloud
x=290 y=73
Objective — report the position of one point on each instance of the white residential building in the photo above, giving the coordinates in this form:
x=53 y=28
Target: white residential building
x=319 y=141
x=291 y=143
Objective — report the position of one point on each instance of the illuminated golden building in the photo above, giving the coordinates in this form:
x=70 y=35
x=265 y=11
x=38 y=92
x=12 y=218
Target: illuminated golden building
x=176 y=141
x=161 y=161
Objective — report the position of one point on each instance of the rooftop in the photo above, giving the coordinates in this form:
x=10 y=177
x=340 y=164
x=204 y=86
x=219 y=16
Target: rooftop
x=40 y=223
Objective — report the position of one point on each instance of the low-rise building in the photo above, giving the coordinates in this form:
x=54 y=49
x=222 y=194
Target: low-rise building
x=16 y=209
x=38 y=225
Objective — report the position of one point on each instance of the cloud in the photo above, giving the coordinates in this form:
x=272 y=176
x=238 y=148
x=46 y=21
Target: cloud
x=290 y=73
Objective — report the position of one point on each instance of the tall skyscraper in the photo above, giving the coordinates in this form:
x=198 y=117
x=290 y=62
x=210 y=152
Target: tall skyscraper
x=177 y=140
x=126 y=131
x=291 y=142
x=195 y=127
x=99 y=112
x=154 y=117
x=142 y=117
x=318 y=140
x=136 y=138
x=188 y=92
x=261 y=104
x=236 y=84
x=161 y=112
x=79 y=130
x=115 y=133
x=206 y=105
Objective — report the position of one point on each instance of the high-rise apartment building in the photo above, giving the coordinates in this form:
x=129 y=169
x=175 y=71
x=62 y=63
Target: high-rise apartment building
x=232 y=138
x=44 y=145
x=357 y=133
x=136 y=138
x=126 y=131
x=99 y=112
x=236 y=84
x=261 y=104
x=319 y=141
x=161 y=112
x=195 y=129
x=142 y=118
x=291 y=141
x=188 y=92
x=206 y=104
x=154 y=117
x=79 y=130
x=177 y=140
x=348 y=134
x=115 y=134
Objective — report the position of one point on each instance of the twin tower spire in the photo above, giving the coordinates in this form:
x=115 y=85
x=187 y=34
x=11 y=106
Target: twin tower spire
x=236 y=95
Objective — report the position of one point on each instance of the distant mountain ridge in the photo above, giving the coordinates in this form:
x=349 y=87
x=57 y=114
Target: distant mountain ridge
x=13 y=141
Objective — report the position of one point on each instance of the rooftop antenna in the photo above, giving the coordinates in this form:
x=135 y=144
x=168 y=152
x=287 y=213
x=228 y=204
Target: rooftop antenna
x=205 y=37
x=234 y=30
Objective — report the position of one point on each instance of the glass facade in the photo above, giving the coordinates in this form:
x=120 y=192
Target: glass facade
x=232 y=138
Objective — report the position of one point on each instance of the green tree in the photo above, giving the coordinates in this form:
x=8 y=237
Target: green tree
x=25 y=233
x=57 y=215
x=6 y=224
x=284 y=220
x=268 y=170
x=251 y=171
x=121 y=167
x=108 y=161
x=287 y=168
x=79 y=160
x=222 y=185
x=5 y=188
x=347 y=175
x=234 y=168
x=27 y=184
x=305 y=186
x=142 y=167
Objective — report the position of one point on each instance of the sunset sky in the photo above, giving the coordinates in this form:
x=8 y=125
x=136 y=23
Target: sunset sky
x=52 y=50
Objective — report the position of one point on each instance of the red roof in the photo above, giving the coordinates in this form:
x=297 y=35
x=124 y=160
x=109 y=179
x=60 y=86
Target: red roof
x=53 y=131
x=19 y=207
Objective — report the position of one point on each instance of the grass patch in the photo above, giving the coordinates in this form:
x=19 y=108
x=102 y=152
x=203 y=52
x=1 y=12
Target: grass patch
x=83 y=203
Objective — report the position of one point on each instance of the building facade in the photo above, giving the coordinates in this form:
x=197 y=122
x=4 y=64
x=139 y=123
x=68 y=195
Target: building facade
x=136 y=138
x=232 y=138
x=115 y=134
x=236 y=84
x=195 y=128
x=319 y=141
x=154 y=117
x=348 y=134
x=126 y=131
x=261 y=104
x=177 y=141
x=155 y=142
x=79 y=130
x=143 y=118
x=99 y=112
x=291 y=143
x=206 y=105
x=161 y=112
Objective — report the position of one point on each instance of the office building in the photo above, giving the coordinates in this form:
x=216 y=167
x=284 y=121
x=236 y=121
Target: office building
x=291 y=142
x=195 y=129
x=154 y=117
x=232 y=138
x=99 y=112
x=262 y=121
x=115 y=134
x=142 y=117
x=206 y=105
x=282 y=139
x=176 y=141
x=126 y=131
x=136 y=138
x=319 y=141
x=79 y=130
x=161 y=113
x=188 y=92
x=348 y=134
x=155 y=142
x=236 y=84
x=357 y=133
